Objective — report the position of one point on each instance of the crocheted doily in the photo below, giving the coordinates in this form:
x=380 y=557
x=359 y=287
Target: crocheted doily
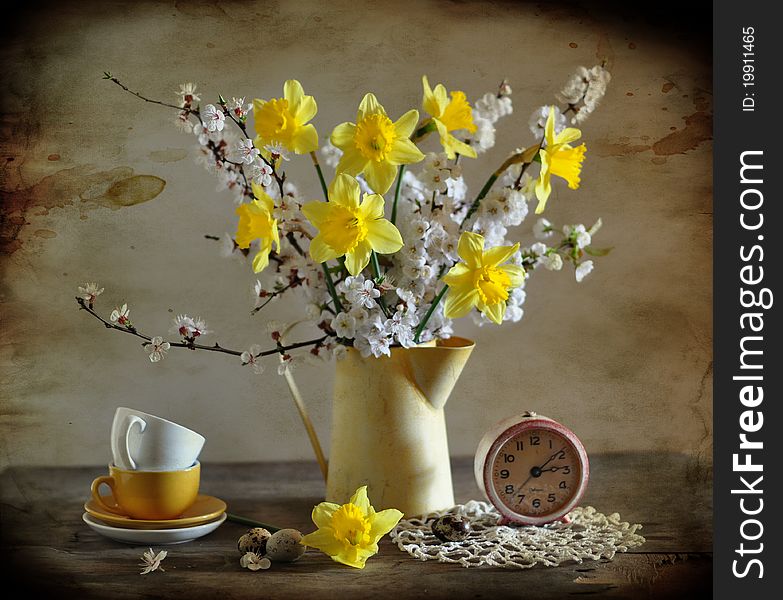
x=590 y=535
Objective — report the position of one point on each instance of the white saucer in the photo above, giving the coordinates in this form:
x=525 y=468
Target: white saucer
x=148 y=537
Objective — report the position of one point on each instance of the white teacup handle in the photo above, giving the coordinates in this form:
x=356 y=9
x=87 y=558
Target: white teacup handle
x=124 y=447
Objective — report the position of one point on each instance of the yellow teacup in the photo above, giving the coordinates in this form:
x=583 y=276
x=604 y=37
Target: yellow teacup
x=149 y=494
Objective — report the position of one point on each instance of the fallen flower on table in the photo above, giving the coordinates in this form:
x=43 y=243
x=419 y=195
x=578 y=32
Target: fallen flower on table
x=151 y=561
x=254 y=562
x=349 y=533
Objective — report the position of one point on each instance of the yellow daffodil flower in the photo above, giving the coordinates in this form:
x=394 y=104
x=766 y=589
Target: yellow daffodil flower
x=284 y=120
x=482 y=280
x=349 y=533
x=558 y=158
x=376 y=146
x=256 y=223
x=350 y=227
x=449 y=115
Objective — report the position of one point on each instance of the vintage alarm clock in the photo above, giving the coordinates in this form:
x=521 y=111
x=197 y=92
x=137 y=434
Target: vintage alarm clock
x=532 y=469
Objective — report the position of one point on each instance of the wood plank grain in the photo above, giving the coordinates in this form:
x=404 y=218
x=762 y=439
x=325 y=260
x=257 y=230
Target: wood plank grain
x=47 y=547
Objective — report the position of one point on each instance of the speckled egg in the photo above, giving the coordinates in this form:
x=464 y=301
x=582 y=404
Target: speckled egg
x=451 y=528
x=284 y=546
x=255 y=540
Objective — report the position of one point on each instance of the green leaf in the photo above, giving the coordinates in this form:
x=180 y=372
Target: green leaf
x=597 y=251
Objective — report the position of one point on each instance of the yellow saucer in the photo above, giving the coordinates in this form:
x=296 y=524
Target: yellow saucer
x=204 y=509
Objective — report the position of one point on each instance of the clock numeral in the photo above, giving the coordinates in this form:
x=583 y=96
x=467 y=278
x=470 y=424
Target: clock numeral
x=536 y=503
x=560 y=455
x=562 y=485
x=519 y=446
x=535 y=440
x=550 y=444
x=508 y=457
x=509 y=489
x=566 y=470
x=551 y=497
x=504 y=474
x=521 y=498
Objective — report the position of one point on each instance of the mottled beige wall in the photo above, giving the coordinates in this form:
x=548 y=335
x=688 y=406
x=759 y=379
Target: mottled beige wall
x=624 y=358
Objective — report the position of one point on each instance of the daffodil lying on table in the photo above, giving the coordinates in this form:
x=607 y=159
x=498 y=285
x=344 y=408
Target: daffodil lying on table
x=349 y=533
x=394 y=247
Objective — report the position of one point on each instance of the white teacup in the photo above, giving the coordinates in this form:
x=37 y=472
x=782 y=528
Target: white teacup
x=144 y=442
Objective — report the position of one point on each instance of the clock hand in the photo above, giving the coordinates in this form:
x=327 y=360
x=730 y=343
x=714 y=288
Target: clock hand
x=551 y=458
x=553 y=469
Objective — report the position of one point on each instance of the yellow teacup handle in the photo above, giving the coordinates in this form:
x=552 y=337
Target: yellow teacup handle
x=108 y=480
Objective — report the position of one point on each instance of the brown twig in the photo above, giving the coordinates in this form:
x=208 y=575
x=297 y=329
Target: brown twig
x=194 y=346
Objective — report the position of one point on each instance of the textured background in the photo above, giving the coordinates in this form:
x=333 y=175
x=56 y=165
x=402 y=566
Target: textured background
x=623 y=358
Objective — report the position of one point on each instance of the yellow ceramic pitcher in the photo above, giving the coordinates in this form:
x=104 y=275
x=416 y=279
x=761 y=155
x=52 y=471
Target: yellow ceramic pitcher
x=389 y=428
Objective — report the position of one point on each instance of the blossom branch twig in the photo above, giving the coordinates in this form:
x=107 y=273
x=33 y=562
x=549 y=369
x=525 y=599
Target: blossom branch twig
x=280 y=349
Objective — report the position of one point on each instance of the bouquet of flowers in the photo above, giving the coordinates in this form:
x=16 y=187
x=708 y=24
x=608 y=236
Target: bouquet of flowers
x=397 y=247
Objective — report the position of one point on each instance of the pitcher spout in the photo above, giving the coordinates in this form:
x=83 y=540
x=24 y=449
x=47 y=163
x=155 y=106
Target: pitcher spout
x=435 y=368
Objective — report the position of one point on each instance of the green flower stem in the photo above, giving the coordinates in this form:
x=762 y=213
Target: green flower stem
x=251 y=522
x=480 y=197
x=376 y=271
x=397 y=193
x=338 y=306
x=431 y=310
x=327 y=275
x=320 y=175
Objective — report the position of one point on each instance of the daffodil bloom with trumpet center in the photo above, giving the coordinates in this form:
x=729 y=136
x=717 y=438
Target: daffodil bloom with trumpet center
x=349 y=533
x=350 y=226
x=481 y=280
x=449 y=115
x=559 y=158
x=256 y=223
x=284 y=121
x=375 y=145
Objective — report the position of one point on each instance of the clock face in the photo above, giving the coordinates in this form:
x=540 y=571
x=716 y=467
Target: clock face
x=536 y=472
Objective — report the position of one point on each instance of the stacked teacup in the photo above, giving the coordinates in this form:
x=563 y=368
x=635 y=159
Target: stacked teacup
x=155 y=473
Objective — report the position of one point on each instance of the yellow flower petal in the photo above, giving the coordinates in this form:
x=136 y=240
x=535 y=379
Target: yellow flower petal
x=383 y=522
x=434 y=102
x=383 y=236
x=516 y=274
x=323 y=540
x=369 y=106
x=304 y=140
x=372 y=207
x=460 y=274
x=358 y=258
x=301 y=106
x=404 y=152
x=345 y=191
x=316 y=212
x=351 y=162
x=471 y=248
x=499 y=254
x=320 y=251
x=380 y=176
x=342 y=135
x=322 y=514
x=568 y=135
x=361 y=500
x=407 y=123
x=494 y=312
x=459 y=302
x=261 y=259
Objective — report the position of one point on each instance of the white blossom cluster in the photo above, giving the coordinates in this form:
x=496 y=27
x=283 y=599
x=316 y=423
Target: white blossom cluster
x=584 y=90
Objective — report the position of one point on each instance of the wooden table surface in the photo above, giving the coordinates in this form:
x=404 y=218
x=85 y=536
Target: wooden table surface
x=48 y=549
